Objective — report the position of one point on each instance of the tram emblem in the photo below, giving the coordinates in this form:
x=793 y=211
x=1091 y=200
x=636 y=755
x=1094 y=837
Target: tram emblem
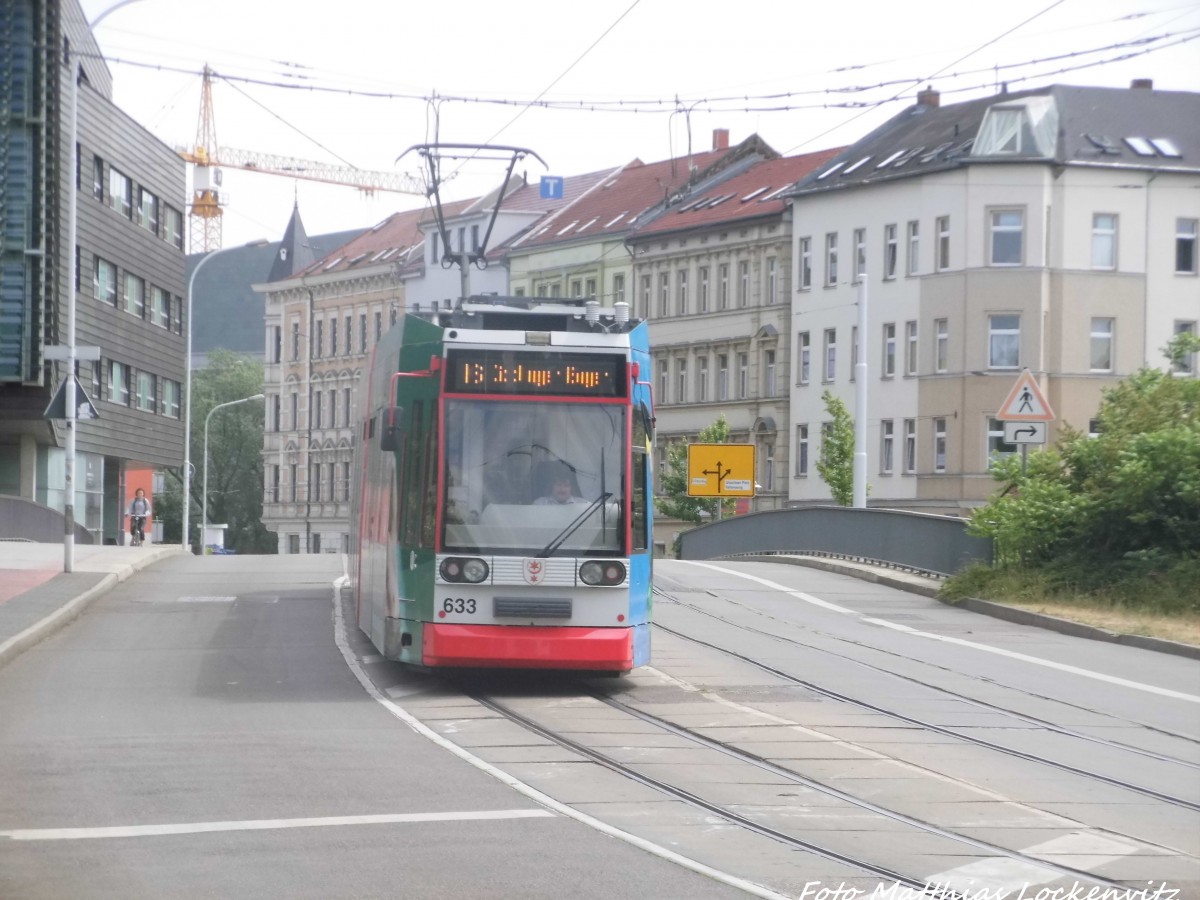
x=534 y=570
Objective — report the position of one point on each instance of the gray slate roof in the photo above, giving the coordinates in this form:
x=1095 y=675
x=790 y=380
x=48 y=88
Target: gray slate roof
x=1094 y=126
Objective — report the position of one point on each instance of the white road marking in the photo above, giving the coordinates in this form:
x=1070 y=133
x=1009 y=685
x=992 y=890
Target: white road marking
x=339 y=636
x=121 y=831
x=1011 y=654
x=1005 y=877
x=207 y=599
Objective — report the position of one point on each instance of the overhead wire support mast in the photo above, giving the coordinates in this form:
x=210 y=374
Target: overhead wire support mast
x=433 y=154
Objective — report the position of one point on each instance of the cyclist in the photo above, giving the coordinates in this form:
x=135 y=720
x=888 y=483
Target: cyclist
x=139 y=511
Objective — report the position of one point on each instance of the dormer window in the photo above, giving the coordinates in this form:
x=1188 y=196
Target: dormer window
x=1027 y=127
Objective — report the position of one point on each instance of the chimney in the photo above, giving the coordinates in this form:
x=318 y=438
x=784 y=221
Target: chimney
x=720 y=138
x=1142 y=84
x=929 y=97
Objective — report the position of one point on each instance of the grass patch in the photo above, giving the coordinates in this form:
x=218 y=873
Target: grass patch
x=1143 y=595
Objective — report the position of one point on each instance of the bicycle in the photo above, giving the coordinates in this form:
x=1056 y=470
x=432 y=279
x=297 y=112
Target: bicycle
x=137 y=530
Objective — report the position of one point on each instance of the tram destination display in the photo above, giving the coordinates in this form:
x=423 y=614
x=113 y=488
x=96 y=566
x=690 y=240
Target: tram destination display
x=541 y=373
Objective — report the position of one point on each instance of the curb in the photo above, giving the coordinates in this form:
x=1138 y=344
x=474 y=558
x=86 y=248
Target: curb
x=989 y=608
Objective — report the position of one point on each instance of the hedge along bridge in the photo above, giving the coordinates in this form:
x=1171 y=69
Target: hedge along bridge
x=921 y=542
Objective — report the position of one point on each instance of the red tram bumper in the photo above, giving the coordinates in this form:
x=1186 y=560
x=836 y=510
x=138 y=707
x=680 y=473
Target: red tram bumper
x=528 y=647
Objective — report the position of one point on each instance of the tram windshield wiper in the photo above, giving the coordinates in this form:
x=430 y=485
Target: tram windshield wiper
x=573 y=526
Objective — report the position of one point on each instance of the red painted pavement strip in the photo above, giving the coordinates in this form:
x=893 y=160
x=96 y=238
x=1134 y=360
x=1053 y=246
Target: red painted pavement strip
x=14 y=582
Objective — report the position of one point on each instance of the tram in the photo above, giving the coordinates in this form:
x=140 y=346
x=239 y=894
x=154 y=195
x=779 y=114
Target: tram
x=501 y=500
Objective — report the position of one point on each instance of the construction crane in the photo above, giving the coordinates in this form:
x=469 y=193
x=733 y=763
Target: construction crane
x=208 y=160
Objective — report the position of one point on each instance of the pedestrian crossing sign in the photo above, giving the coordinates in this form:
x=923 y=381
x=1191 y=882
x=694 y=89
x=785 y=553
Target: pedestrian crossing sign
x=1025 y=402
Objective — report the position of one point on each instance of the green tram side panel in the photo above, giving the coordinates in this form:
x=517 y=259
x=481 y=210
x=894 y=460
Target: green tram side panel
x=414 y=565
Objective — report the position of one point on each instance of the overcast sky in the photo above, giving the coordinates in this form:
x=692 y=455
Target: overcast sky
x=350 y=82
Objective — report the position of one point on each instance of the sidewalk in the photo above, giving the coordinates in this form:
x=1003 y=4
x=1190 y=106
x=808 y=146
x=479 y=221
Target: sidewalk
x=37 y=597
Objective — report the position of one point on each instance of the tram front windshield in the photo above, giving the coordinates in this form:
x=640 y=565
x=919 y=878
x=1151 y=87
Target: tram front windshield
x=534 y=478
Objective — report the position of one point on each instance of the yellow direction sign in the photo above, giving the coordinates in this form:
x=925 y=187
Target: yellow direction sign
x=720 y=470
x=1025 y=402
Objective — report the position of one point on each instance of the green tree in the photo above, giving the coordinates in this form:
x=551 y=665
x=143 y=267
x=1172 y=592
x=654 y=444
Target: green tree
x=674 y=501
x=1123 y=505
x=235 y=467
x=836 y=464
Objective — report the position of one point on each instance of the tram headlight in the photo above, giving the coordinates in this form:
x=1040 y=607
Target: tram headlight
x=597 y=572
x=457 y=569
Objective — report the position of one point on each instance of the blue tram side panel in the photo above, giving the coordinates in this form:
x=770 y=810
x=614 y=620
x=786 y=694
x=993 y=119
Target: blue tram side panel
x=502 y=507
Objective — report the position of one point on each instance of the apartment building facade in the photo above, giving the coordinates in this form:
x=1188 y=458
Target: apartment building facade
x=1053 y=230
x=712 y=273
x=126 y=277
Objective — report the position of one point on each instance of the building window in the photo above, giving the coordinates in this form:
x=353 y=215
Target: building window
x=887 y=432
x=118 y=383
x=830 y=370
x=147 y=392
x=333 y=336
x=831 y=251
x=722 y=376
x=890 y=252
x=910 y=446
x=996 y=447
x=804 y=357
x=576 y=287
x=939 y=444
x=135 y=295
x=1004 y=342
x=160 y=307
x=664 y=294
x=346 y=343
x=1104 y=241
x=1102 y=345
x=120 y=193
x=941 y=347
x=914 y=248
x=889 y=349
x=618 y=284
x=294 y=486
x=293 y=540
x=681 y=297
x=346 y=409
x=805 y=263
x=147 y=211
x=98 y=178
x=1007 y=237
x=801 y=450
x=104 y=281
x=1186 y=366
x=769 y=372
x=943 y=243
x=854 y=348
x=362 y=332
x=702 y=379
x=723 y=286
x=274 y=412
x=910 y=348
x=295 y=340
x=703 y=289
x=664 y=378
x=772 y=282
x=860 y=253
x=295 y=420
x=743 y=284
x=1185 y=246
x=170 y=400
x=589 y=287
x=319 y=340
x=768 y=472
x=681 y=381
x=743 y=375
x=645 y=300
x=174 y=227
x=378 y=326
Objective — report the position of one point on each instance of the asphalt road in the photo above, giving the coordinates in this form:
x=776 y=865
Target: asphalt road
x=196 y=733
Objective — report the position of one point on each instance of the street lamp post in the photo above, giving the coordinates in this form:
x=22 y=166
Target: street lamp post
x=187 y=394
x=204 y=503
